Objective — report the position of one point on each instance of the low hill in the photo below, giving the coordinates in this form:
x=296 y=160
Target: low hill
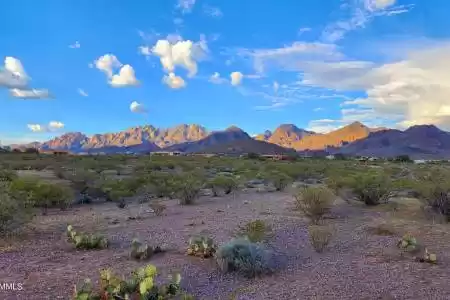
x=248 y=146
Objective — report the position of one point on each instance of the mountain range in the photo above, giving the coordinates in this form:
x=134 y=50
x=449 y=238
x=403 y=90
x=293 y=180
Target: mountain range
x=354 y=139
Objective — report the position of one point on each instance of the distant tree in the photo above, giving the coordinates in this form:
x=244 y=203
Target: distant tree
x=253 y=155
x=403 y=158
x=31 y=150
x=340 y=156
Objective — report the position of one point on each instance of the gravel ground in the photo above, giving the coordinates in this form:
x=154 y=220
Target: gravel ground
x=356 y=265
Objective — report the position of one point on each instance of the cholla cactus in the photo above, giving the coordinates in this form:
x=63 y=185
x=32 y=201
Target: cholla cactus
x=201 y=246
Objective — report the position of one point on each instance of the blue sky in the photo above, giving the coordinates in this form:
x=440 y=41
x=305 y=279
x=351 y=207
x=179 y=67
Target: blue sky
x=79 y=65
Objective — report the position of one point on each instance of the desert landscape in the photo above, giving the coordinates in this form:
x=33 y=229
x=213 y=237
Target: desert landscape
x=232 y=228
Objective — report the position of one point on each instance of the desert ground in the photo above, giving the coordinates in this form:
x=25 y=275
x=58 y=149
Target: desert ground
x=361 y=259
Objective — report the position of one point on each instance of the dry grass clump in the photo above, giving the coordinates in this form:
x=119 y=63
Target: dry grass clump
x=320 y=237
x=254 y=231
x=314 y=202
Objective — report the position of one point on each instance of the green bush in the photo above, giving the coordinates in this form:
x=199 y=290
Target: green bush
x=141 y=285
x=201 y=246
x=254 y=231
x=86 y=241
x=42 y=194
x=314 y=202
x=14 y=212
x=247 y=258
x=279 y=180
x=7 y=175
x=372 y=189
x=436 y=192
x=227 y=184
x=187 y=189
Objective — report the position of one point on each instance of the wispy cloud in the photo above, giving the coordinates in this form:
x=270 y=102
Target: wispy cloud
x=185 y=6
x=83 y=93
x=30 y=94
x=361 y=12
x=75 y=45
x=212 y=11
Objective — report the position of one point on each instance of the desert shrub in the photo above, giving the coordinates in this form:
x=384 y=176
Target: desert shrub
x=141 y=251
x=14 y=212
x=161 y=184
x=436 y=193
x=314 y=202
x=247 y=258
x=42 y=194
x=157 y=207
x=320 y=237
x=227 y=184
x=254 y=231
x=187 y=188
x=372 y=188
x=86 y=241
x=116 y=190
x=279 y=180
x=141 y=285
x=7 y=175
x=201 y=246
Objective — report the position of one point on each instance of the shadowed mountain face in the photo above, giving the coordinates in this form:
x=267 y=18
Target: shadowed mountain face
x=424 y=141
x=355 y=139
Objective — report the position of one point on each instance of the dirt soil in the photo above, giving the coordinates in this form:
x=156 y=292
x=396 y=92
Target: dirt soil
x=358 y=263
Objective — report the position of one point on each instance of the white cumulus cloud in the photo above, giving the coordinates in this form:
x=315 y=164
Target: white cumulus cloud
x=50 y=127
x=125 y=77
x=107 y=63
x=236 y=78
x=13 y=75
x=412 y=91
x=184 y=54
x=174 y=81
x=137 y=107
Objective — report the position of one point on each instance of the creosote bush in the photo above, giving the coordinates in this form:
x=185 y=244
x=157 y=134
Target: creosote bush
x=141 y=285
x=436 y=192
x=86 y=241
x=372 y=189
x=42 y=194
x=201 y=246
x=14 y=211
x=227 y=184
x=314 y=202
x=188 y=189
x=279 y=179
x=243 y=256
x=320 y=237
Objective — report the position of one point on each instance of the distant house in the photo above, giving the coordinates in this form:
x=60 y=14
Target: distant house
x=420 y=161
x=166 y=153
x=330 y=157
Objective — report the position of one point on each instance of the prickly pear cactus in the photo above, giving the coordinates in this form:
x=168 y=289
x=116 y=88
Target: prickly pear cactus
x=85 y=241
x=408 y=243
x=201 y=246
x=140 y=251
